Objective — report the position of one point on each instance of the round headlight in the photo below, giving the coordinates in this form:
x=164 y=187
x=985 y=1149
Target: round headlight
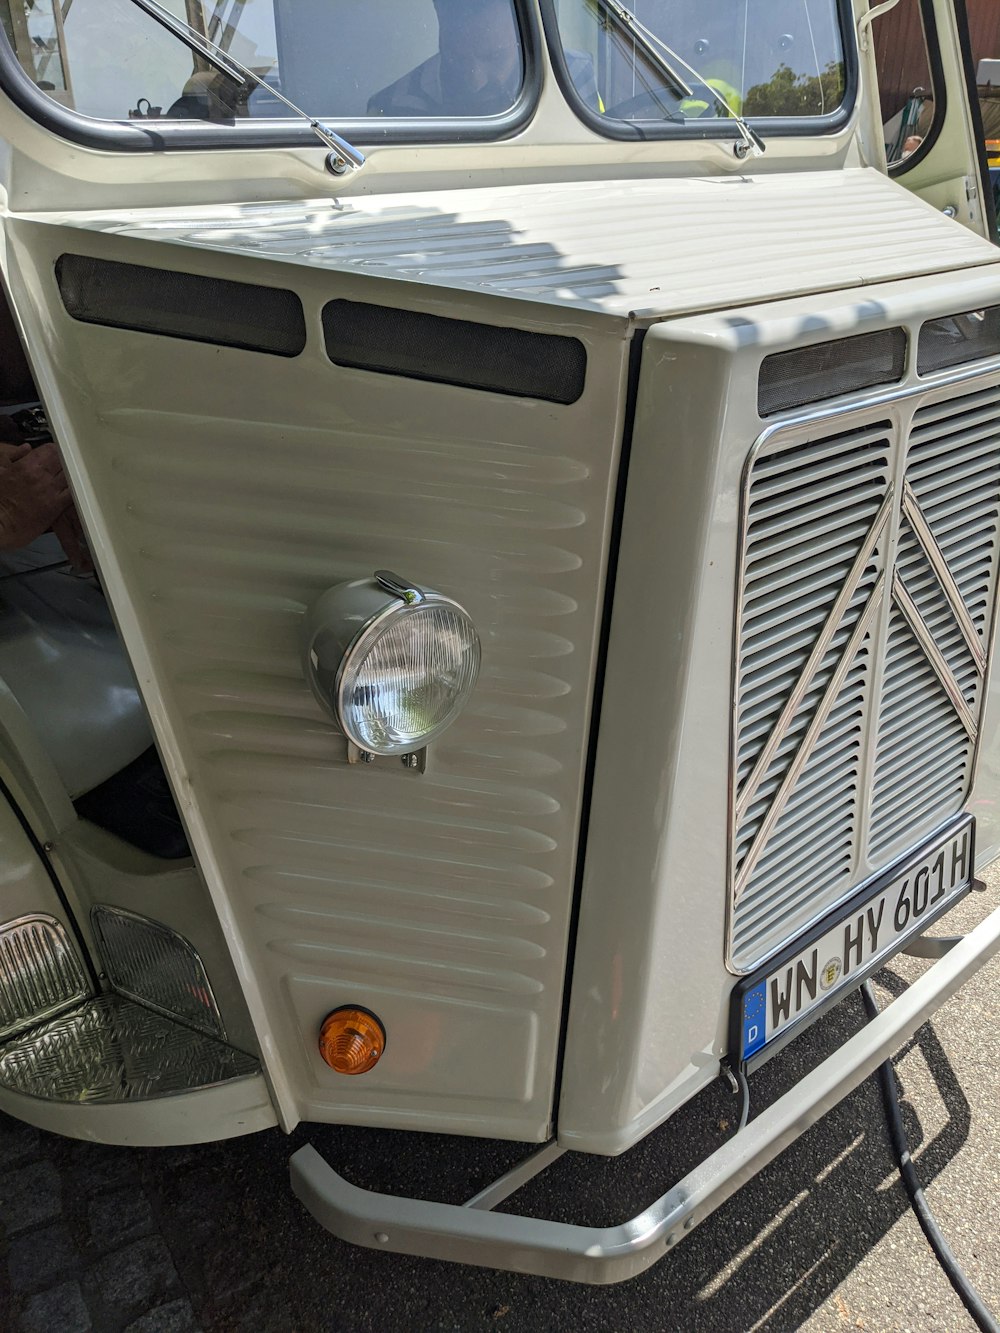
x=393 y=664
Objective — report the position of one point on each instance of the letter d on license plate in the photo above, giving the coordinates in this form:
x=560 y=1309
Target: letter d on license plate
x=818 y=969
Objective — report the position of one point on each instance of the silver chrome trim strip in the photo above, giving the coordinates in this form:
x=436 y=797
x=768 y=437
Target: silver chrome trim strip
x=805 y=749
x=935 y=557
x=934 y=655
x=878 y=400
x=805 y=679
x=614 y=1254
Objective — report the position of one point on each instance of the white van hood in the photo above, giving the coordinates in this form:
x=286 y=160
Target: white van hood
x=645 y=249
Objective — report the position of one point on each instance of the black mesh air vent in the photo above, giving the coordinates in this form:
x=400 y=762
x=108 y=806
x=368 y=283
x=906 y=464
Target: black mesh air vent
x=454 y=351
x=827 y=370
x=182 y=305
x=958 y=338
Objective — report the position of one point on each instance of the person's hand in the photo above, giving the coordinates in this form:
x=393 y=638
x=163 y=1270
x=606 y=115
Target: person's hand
x=33 y=493
x=69 y=530
x=34 y=497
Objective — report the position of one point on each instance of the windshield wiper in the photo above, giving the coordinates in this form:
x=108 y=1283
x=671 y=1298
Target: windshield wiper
x=752 y=144
x=342 y=155
x=641 y=36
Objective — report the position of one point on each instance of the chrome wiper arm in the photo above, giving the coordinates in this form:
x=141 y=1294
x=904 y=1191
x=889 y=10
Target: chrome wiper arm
x=641 y=35
x=343 y=154
x=193 y=40
x=753 y=145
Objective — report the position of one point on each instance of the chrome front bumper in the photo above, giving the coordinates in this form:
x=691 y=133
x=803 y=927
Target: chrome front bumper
x=472 y=1235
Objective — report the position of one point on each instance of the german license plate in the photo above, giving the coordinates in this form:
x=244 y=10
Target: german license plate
x=776 y=1003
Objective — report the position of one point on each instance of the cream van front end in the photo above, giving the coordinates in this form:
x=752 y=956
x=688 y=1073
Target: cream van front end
x=683 y=474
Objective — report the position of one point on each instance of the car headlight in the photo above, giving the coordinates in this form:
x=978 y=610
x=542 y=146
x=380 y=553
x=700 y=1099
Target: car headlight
x=392 y=664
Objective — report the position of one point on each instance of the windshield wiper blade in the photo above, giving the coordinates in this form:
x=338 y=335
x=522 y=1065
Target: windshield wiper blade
x=343 y=154
x=752 y=145
x=628 y=21
x=193 y=40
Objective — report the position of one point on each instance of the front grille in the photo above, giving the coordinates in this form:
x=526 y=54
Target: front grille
x=869 y=567
x=925 y=752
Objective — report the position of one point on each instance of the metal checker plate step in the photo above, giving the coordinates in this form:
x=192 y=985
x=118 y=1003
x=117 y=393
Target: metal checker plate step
x=109 y=1049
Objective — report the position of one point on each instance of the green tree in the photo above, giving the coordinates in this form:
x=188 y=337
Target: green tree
x=790 y=94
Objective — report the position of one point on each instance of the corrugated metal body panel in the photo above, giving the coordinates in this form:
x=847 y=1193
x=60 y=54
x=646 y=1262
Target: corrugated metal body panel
x=234 y=489
x=437 y=900
x=654 y=247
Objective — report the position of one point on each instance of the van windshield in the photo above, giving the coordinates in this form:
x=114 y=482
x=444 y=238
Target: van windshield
x=338 y=59
x=434 y=60
x=782 y=59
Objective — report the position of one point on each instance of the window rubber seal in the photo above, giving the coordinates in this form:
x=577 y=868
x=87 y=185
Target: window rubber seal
x=769 y=127
x=248 y=133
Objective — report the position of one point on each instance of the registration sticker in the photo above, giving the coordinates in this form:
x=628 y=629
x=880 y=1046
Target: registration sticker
x=816 y=971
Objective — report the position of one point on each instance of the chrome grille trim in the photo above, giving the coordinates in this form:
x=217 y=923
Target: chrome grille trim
x=898 y=573
x=926 y=763
x=815 y=728
x=934 y=655
x=914 y=515
x=798 y=694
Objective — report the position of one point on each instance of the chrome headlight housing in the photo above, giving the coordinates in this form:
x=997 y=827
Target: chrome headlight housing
x=393 y=664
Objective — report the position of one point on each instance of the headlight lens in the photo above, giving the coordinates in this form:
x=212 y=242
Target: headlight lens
x=393 y=664
x=407 y=676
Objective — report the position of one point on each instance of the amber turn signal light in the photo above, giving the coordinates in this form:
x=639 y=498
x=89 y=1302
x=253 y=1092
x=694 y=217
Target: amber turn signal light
x=351 y=1041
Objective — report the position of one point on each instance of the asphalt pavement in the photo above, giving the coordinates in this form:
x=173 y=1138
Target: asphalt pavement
x=210 y=1238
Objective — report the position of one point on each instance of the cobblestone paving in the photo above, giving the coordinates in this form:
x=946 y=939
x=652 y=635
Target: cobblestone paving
x=82 y=1249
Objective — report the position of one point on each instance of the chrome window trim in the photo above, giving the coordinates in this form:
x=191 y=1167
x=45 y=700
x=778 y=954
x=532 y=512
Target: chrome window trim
x=851 y=411
x=133 y=136
x=770 y=127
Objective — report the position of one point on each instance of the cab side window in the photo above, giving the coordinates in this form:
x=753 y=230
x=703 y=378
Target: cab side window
x=984 y=36
x=906 y=82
